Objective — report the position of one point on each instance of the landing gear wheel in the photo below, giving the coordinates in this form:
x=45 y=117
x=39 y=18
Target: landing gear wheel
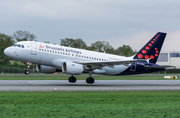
x=27 y=69
x=26 y=72
x=72 y=79
x=90 y=80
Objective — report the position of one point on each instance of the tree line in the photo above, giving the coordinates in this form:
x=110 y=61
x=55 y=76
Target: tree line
x=99 y=46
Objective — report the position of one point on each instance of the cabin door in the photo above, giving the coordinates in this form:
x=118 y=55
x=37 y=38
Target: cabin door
x=33 y=48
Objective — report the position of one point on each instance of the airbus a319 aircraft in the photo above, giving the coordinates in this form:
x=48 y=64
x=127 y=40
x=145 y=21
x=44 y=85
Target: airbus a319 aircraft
x=54 y=58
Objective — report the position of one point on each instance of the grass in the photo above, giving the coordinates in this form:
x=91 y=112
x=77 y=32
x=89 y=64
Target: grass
x=82 y=77
x=117 y=104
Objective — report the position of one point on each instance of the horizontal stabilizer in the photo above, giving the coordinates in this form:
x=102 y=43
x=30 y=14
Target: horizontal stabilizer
x=154 y=67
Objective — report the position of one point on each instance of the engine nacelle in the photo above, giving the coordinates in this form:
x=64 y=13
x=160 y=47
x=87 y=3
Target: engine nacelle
x=72 y=68
x=46 y=69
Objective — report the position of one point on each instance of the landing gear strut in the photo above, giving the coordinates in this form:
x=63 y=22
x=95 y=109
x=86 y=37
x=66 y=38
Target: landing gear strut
x=72 y=79
x=27 y=69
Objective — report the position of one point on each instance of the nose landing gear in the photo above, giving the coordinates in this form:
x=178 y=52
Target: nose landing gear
x=27 y=68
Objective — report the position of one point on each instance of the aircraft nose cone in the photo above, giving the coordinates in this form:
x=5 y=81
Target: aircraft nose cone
x=7 y=52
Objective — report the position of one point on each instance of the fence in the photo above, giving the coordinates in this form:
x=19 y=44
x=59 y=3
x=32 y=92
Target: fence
x=16 y=70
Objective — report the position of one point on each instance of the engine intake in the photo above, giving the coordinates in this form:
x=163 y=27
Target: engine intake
x=46 y=69
x=72 y=68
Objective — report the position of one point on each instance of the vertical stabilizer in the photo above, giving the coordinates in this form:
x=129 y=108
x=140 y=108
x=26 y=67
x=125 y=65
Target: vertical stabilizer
x=152 y=48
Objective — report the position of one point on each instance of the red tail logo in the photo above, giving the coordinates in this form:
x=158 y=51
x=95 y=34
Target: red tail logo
x=152 y=48
x=144 y=51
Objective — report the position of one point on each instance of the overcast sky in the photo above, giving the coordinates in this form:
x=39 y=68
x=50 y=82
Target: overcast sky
x=129 y=22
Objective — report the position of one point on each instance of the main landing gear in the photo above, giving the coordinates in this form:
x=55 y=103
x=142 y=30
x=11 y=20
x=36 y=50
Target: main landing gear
x=89 y=80
x=27 y=69
x=72 y=79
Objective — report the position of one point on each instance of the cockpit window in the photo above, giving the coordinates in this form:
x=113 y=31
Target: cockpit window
x=15 y=45
x=18 y=45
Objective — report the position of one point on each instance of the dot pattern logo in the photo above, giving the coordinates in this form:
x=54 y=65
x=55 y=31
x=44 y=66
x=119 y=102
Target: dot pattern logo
x=149 y=47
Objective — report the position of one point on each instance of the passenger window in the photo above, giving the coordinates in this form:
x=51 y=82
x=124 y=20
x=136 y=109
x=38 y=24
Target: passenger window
x=22 y=46
x=72 y=54
x=40 y=49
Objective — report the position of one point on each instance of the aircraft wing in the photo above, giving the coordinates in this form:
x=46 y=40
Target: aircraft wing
x=99 y=64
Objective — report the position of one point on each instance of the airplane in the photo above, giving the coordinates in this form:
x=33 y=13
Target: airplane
x=51 y=58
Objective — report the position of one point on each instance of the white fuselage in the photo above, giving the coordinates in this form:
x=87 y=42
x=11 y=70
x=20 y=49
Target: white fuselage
x=54 y=55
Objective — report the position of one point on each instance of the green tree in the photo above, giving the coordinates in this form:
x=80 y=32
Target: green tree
x=23 y=36
x=124 y=50
x=46 y=42
x=76 y=43
x=101 y=46
x=5 y=41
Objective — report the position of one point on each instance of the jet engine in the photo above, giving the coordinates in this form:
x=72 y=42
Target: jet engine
x=72 y=68
x=46 y=69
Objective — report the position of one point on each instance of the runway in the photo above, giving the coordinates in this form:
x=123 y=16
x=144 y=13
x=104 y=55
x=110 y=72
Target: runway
x=84 y=75
x=81 y=85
